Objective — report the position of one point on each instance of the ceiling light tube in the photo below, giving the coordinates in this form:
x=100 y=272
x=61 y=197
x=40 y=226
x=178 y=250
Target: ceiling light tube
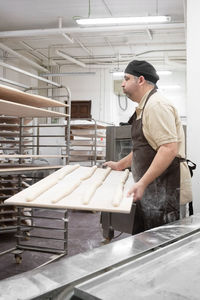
x=128 y=20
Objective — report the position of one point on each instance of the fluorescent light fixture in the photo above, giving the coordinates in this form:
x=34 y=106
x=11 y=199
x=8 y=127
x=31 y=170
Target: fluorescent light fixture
x=169 y=87
x=164 y=72
x=128 y=20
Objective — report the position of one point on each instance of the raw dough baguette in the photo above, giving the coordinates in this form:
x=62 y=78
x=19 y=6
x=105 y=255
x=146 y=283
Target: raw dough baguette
x=118 y=195
x=67 y=190
x=90 y=192
x=89 y=173
x=119 y=192
x=124 y=176
x=105 y=174
x=37 y=190
x=66 y=170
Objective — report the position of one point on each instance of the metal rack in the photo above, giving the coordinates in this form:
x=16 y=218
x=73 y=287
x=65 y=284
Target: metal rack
x=20 y=168
x=58 y=235
x=88 y=141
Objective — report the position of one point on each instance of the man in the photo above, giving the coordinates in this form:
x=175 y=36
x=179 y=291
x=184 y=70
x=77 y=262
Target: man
x=161 y=175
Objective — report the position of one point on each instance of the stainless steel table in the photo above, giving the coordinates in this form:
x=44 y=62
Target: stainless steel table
x=81 y=274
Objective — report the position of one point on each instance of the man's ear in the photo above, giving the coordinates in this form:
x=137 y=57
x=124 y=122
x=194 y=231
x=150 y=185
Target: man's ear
x=141 y=80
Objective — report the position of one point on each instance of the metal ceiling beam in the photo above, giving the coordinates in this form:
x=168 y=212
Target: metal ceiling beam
x=149 y=33
x=73 y=60
x=28 y=74
x=55 y=31
x=14 y=83
x=25 y=59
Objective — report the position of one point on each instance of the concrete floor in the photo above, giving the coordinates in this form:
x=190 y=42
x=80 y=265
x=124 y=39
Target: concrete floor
x=84 y=233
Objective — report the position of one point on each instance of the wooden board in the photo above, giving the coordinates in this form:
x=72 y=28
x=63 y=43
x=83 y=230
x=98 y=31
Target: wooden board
x=20 y=110
x=13 y=120
x=89 y=143
x=101 y=201
x=12 y=127
x=25 y=169
x=14 y=95
x=86 y=153
x=14 y=141
x=87 y=133
x=30 y=156
x=87 y=126
x=8 y=134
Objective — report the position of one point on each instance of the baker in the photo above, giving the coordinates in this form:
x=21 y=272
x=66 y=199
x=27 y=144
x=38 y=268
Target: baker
x=161 y=175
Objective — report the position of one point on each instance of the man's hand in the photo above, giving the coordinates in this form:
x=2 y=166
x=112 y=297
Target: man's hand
x=120 y=165
x=137 y=191
x=113 y=165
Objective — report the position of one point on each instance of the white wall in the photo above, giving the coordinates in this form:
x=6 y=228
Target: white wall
x=98 y=87
x=193 y=98
x=95 y=87
x=177 y=95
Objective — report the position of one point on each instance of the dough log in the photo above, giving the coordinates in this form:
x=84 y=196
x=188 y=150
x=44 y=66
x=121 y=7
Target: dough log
x=105 y=174
x=90 y=192
x=66 y=191
x=36 y=191
x=118 y=195
x=67 y=170
x=124 y=176
x=89 y=173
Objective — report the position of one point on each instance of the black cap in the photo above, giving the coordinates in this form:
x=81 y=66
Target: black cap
x=142 y=68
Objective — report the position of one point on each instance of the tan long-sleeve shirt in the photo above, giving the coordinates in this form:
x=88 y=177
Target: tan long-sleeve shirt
x=162 y=125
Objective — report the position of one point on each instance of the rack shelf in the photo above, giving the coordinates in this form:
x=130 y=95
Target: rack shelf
x=88 y=141
x=20 y=144
x=21 y=110
x=17 y=96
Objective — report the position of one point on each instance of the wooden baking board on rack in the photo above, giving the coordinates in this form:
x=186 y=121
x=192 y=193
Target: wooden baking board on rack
x=13 y=120
x=14 y=95
x=9 y=156
x=101 y=200
x=24 y=170
x=20 y=110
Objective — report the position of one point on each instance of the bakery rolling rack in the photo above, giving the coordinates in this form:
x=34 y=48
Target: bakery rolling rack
x=17 y=110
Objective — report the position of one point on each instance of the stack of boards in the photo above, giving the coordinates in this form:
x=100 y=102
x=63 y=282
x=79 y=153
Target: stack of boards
x=9 y=184
x=82 y=188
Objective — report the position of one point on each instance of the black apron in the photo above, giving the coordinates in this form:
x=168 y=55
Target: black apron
x=160 y=202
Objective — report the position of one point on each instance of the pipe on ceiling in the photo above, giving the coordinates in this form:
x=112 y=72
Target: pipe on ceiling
x=25 y=59
x=55 y=31
x=73 y=60
x=28 y=74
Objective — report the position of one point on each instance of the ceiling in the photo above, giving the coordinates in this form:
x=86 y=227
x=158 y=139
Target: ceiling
x=34 y=30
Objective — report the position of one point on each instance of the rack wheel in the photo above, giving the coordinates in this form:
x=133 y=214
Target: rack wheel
x=106 y=241
x=27 y=235
x=18 y=259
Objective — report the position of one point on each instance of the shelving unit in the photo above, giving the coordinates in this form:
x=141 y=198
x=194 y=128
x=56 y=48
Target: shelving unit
x=87 y=141
x=20 y=145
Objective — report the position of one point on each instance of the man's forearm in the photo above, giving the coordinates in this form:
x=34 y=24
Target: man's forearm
x=121 y=164
x=126 y=161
